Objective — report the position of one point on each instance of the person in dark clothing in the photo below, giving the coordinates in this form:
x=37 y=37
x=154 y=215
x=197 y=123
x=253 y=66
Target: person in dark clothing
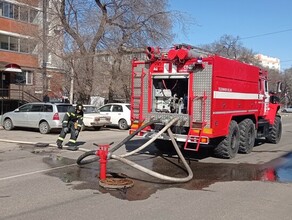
x=46 y=98
x=72 y=123
x=274 y=98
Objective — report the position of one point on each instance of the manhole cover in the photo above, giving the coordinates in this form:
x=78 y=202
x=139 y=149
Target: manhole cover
x=116 y=183
x=41 y=145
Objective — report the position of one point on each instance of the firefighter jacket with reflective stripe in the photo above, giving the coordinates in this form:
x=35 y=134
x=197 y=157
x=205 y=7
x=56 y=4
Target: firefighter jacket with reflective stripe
x=73 y=117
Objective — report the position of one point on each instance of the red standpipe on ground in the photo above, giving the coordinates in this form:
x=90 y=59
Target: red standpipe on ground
x=102 y=154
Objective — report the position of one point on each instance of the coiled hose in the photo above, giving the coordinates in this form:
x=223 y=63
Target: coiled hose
x=81 y=160
x=143 y=169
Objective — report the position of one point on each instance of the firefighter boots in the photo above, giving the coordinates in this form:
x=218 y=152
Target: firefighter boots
x=59 y=144
x=72 y=146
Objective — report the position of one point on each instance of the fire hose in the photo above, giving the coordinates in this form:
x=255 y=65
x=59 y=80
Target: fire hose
x=81 y=161
x=121 y=158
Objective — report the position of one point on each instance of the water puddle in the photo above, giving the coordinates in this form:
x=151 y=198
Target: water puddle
x=205 y=174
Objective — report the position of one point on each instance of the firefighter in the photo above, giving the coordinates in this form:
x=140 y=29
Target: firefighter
x=274 y=98
x=72 y=123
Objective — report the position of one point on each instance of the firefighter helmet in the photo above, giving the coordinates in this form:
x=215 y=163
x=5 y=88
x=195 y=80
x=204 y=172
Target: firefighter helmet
x=79 y=107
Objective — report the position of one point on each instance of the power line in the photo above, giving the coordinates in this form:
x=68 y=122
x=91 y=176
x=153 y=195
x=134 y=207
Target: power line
x=284 y=61
x=266 y=34
x=270 y=33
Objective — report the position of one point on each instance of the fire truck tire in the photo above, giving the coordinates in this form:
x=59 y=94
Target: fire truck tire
x=229 y=146
x=80 y=160
x=275 y=132
x=246 y=136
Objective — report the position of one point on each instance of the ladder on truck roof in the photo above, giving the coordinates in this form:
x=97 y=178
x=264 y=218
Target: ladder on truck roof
x=137 y=95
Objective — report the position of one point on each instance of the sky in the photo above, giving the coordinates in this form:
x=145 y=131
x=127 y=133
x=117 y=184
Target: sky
x=265 y=26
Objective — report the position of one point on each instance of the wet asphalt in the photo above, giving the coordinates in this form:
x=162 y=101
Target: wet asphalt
x=48 y=179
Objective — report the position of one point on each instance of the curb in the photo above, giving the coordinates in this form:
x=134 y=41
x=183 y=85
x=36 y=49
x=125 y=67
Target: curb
x=41 y=144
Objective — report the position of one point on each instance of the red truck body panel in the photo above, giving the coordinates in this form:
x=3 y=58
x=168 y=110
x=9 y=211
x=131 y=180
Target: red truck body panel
x=204 y=92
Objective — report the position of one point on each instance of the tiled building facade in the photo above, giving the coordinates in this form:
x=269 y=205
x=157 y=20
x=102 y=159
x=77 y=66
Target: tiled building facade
x=271 y=62
x=21 y=46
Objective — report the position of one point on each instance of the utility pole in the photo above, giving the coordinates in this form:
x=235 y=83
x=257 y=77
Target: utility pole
x=72 y=83
x=2 y=93
x=45 y=45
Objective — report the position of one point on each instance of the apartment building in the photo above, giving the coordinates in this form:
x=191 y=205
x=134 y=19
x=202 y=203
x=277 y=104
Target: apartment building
x=270 y=62
x=27 y=68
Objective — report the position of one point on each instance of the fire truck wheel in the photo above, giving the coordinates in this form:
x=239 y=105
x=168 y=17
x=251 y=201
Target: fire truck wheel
x=275 y=132
x=228 y=147
x=246 y=136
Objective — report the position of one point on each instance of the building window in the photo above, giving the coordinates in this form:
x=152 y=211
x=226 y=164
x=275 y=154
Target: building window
x=29 y=77
x=49 y=84
x=13 y=44
x=25 y=77
x=4 y=42
x=17 y=44
x=1 y=8
x=24 y=45
x=33 y=16
x=24 y=14
x=17 y=12
x=6 y=9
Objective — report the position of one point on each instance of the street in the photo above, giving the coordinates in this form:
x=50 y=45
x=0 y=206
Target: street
x=38 y=182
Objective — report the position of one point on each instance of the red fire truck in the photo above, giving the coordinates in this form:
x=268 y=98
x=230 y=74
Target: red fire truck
x=219 y=102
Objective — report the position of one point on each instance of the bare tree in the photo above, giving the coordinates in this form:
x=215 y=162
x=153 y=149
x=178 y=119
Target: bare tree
x=286 y=95
x=110 y=27
x=231 y=47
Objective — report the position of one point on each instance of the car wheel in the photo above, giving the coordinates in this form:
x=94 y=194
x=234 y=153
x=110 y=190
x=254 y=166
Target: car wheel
x=123 y=125
x=8 y=125
x=44 y=127
x=97 y=128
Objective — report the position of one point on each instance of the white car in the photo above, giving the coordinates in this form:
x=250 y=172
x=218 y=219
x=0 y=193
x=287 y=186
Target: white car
x=120 y=114
x=287 y=110
x=93 y=119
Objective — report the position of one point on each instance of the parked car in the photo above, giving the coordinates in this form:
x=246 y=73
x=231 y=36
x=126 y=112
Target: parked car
x=93 y=119
x=44 y=116
x=287 y=110
x=119 y=112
